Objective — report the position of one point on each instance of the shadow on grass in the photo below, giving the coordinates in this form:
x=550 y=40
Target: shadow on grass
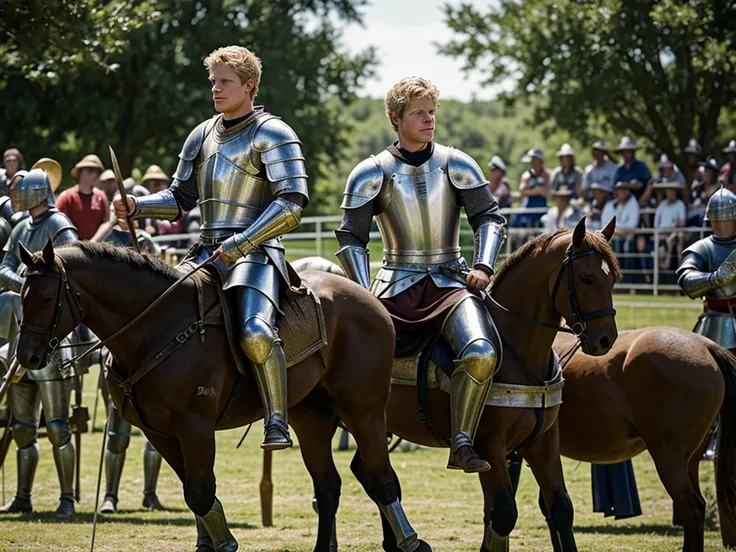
x=643 y=529
x=86 y=518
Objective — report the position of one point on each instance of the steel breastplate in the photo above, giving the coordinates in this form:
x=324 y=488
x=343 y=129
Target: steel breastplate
x=714 y=252
x=233 y=188
x=421 y=221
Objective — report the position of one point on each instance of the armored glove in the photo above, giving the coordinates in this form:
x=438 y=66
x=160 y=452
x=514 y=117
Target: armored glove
x=726 y=272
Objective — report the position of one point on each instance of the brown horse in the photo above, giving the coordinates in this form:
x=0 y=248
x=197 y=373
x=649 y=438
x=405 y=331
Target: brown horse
x=658 y=389
x=561 y=274
x=106 y=287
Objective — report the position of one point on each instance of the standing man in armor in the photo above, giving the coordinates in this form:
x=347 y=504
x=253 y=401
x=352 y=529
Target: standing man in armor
x=246 y=171
x=49 y=386
x=415 y=189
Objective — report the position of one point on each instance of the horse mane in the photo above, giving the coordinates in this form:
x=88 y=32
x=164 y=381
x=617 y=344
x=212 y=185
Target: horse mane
x=101 y=250
x=594 y=240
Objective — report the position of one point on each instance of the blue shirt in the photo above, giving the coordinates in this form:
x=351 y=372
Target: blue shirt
x=637 y=171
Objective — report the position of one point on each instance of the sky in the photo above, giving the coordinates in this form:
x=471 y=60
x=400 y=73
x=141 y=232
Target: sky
x=403 y=31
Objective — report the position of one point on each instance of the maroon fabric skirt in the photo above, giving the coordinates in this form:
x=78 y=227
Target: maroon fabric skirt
x=422 y=305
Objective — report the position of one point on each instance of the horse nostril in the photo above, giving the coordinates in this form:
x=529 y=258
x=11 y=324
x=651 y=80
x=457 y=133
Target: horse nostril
x=604 y=343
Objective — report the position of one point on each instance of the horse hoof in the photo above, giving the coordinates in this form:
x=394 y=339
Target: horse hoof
x=205 y=545
x=423 y=547
x=150 y=502
x=65 y=510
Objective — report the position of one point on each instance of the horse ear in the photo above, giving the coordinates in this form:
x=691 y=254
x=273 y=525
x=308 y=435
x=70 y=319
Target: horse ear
x=579 y=233
x=26 y=256
x=609 y=229
x=48 y=253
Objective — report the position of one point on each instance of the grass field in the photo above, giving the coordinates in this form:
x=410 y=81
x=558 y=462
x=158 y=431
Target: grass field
x=445 y=507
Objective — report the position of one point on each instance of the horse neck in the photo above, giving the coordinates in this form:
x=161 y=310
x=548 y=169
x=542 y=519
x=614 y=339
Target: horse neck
x=524 y=291
x=112 y=295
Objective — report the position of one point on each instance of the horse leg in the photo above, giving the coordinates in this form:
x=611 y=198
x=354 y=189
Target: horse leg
x=373 y=470
x=315 y=432
x=675 y=473
x=499 y=501
x=197 y=441
x=543 y=456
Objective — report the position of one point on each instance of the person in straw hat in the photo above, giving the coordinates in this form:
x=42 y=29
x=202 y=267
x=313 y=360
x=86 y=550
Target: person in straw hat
x=567 y=175
x=671 y=213
x=563 y=214
x=600 y=171
x=693 y=151
x=497 y=182
x=86 y=204
x=533 y=189
x=155 y=180
x=631 y=170
x=729 y=169
x=625 y=207
x=32 y=191
x=593 y=210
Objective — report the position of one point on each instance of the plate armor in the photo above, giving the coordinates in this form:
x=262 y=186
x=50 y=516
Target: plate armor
x=241 y=178
x=697 y=277
x=418 y=211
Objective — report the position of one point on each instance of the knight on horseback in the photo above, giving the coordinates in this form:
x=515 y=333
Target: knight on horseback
x=50 y=386
x=708 y=270
x=246 y=171
x=415 y=188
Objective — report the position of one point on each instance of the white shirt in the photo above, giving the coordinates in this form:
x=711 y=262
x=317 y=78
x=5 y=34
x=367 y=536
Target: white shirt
x=627 y=215
x=668 y=215
x=603 y=175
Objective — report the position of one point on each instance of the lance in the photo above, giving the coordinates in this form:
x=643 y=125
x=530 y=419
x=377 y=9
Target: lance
x=124 y=197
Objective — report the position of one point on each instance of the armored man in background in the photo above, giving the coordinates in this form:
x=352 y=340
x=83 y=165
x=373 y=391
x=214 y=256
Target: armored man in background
x=245 y=169
x=415 y=189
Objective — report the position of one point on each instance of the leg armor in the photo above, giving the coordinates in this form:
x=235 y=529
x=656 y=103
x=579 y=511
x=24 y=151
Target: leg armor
x=55 y=399
x=151 y=469
x=26 y=405
x=467 y=329
x=216 y=525
x=261 y=344
x=118 y=439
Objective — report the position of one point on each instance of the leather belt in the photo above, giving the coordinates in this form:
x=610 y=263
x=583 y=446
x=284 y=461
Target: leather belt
x=720 y=303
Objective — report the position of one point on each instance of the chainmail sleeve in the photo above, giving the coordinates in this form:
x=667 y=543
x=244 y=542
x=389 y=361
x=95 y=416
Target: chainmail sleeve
x=186 y=193
x=480 y=206
x=355 y=228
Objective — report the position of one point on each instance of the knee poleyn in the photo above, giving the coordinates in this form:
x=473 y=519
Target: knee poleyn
x=24 y=435
x=59 y=432
x=117 y=443
x=479 y=360
x=257 y=338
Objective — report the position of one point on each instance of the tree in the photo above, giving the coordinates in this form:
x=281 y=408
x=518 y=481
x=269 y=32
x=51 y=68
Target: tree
x=663 y=70
x=154 y=92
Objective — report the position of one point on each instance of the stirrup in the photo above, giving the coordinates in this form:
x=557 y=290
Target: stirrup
x=276 y=436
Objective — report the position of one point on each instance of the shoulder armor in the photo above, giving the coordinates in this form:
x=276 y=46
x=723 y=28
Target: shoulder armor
x=271 y=133
x=464 y=172
x=282 y=156
x=364 y=183
x=58 y=222
x=701 y=248
x=6 y=208
x=190 y=149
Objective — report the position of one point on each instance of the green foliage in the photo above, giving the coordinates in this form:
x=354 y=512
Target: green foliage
x=663 y=70
x=150 y=94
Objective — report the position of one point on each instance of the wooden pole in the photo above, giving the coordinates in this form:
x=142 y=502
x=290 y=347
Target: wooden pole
x=267 y=490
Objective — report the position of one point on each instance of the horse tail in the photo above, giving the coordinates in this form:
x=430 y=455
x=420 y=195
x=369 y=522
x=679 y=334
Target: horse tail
x=726 y=452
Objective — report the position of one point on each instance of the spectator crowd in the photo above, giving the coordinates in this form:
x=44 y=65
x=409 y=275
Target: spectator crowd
x=668 y=200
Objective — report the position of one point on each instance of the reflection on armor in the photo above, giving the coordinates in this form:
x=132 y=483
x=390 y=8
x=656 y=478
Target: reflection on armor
x=721 y=206
x=706 y=271
x=33 y=189
x=356 y=263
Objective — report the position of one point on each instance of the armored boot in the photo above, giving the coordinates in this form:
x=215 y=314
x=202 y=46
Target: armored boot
x=468 y=397
x=64 y=459
x=27 y=459
x=271 y=380
x=151 y=469
x=114 y=462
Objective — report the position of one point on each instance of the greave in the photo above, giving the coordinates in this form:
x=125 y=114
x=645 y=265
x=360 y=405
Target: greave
x=151 y=468
x=27 y=461
x=216 y=525
x=271 y=380
x=64 y=458
x=468 y=397
x=406 y=536
x=114 y=462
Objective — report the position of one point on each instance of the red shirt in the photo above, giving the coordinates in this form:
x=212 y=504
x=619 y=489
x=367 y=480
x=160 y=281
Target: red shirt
x=86 y=211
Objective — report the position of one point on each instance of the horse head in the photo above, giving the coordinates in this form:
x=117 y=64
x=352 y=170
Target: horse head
x=49 y=306
x=582 y=289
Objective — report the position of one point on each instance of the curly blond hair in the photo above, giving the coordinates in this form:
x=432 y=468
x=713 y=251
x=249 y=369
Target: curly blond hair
x=406 y=90
x=241 y=60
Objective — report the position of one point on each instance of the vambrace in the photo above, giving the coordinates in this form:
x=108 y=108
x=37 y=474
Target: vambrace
x=280 y=217
x=696 y=284
x=9 y=279
x=488 y=241
x=162 y=205
x=355 y=262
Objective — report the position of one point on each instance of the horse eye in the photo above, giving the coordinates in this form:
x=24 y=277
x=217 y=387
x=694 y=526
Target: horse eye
x=587 y=281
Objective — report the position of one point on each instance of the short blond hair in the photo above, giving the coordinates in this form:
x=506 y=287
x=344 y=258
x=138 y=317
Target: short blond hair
x=241 y=60
x=406 y=90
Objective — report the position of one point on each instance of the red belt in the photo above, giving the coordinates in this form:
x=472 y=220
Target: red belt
x=720 y=303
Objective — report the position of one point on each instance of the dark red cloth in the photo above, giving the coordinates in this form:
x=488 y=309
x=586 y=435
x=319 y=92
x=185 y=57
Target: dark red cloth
x=86 y=211
x=423 y=304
